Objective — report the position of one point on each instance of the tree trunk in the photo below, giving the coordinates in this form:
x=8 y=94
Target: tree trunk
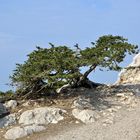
x=84 y=81
x=89 y=71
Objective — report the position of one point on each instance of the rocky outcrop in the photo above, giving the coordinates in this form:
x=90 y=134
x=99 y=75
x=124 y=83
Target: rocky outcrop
x=42 y=116
x=19 y=132
x=84 y=110
x=131 y=74
x=8 y=120
x=29 y=121
x=86 y=115
x=11 y=104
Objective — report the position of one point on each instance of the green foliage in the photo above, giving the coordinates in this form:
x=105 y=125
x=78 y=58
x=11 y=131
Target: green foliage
x=6 y=94
x=56 y=66
x=108 y=52
x=53 y=66
x=9 y=92
x=1 y=93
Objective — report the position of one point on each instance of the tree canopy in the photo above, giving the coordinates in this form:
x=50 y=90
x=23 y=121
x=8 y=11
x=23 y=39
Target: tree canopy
x=51 y=68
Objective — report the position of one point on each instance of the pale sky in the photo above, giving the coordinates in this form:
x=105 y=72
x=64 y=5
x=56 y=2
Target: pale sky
x=27 y=23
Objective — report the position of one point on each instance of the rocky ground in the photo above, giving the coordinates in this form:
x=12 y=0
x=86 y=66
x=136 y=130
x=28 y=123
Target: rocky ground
x=101 y=113
x=126 y=126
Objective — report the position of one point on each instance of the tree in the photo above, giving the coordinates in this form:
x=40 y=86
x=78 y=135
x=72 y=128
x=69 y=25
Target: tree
x=46 y=68
x=1 y=93
x=50 y=68
x=107 y=52
x=7 y=95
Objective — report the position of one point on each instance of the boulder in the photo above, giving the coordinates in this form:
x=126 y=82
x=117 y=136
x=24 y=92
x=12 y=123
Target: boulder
x=86 y=115
x=131 y=74
x=11 y=104
x=82 y=103
x=19 y=132
x=8 y=120
x=42 y=115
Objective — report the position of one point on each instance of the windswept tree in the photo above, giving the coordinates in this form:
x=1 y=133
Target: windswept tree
x=107 y=52
x=46 y=68
x=51 y=68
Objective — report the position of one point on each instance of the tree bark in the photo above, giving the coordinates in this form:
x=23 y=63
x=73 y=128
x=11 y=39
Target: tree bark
x=89 y=71
x=84 y=81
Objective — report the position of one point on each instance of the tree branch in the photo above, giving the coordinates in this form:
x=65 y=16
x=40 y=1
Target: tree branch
x=89 y=71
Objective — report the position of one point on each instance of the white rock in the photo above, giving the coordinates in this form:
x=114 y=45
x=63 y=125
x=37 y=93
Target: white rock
x=42 y=115
x=77 y=122
x=11 y=104
x=8 y=120
x=33 y=128
x=19 y=132
x=131 y=75
x=86 y=116
x=120 y=95
x=14 y=133
x=112 y=110
x=108 y=121
x=136 y=61
x=26 y=104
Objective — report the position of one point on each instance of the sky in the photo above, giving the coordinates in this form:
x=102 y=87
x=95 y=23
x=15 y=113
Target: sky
x=28 y=23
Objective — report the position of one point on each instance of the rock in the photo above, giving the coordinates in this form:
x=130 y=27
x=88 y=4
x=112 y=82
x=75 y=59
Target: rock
x=131 y=74
x=120 y=95
x=108 y=121
x=86 y=116
x=3 y=110
x=42 y=115
x=127 y=98
x=136 y=61
x=14 y=133
x=34 y=128
x=82 y=103
x=8 y=120
x=26 y=104
x=112 y=110
x=19 y=132
x=11 y=104
x=77 y=122
x=30 y=103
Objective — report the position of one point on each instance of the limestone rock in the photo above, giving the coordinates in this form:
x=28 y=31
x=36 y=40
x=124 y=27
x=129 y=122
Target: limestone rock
x=131 y=74
x=108 y=121
x=127 y=98
x=15 y=133
x=30 y=103
x=8 y=120
x=11 y=104
x=42 y=115
x=19 y=132
x=82 y=103
x=86 y=116
x=136 y=61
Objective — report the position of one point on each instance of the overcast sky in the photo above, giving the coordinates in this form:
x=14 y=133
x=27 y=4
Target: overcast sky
x=27 y=23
